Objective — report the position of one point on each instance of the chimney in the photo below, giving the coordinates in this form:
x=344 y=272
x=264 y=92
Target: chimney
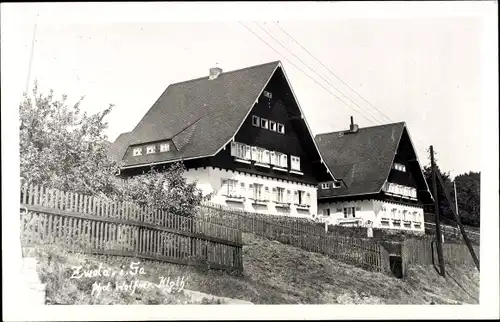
x=353 y=128
x=214 y=72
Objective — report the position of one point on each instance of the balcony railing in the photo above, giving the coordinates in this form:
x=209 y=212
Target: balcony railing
x=400 y=190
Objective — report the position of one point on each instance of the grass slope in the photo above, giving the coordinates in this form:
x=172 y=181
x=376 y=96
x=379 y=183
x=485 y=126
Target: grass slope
x=274 y=273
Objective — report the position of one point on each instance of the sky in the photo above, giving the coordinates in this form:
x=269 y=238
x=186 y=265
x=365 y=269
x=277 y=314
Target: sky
x=422 y=70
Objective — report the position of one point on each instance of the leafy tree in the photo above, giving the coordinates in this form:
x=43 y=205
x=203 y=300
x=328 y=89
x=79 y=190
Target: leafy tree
x=468 y=193
x=469 y=197
x=63 y=148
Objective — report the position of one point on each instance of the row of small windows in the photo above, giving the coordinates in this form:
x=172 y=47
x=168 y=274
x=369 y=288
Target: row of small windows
x=263 y=156
x=348 y=212
x=263 y=193
x=163 y=147
x=399 y=167
x=326 y=185
x=267 y=124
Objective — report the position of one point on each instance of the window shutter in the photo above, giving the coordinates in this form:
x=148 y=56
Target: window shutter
x=358 y=208
x=224 y=187
x=274 y=195
x=250 y=191
x=288 y=196
x=296 y=197
x=233 y=149
x=266 y=157
x=247 y=152
x=266 y=193
x=254 y=153
x=339 y=210
x=308 y=198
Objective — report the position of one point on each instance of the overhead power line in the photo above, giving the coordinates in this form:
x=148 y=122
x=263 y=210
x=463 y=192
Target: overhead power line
x=361 y=114
x=335 y=75
x=267 y=32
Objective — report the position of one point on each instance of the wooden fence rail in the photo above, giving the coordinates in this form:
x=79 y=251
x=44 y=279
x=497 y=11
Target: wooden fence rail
x=96 y=225
x=308 y=236
x=423 y=252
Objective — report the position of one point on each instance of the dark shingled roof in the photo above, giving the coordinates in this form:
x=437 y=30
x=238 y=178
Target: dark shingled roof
x=200 y=116
x=117 y=149
x=362 y=160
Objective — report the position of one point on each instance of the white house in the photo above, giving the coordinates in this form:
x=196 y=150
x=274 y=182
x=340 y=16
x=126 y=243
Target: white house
x=241 y=135
x=379 y=183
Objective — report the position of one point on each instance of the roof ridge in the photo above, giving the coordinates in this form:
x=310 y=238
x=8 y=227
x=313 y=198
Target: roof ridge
x=225 y=73
x=362 y=128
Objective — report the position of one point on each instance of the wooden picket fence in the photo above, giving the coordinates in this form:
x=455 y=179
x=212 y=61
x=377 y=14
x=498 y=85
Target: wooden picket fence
x=96 y=225
x=363 y=253
x=424 y=252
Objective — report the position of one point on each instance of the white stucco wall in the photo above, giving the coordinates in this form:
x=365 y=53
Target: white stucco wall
x=210 y=180
x=364 y=212
x=373 y=210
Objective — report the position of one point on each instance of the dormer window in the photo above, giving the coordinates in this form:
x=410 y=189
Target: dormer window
x=164 y=147
x=272 y=126
x=255 y=120
x=336 y=184
x=264 y=123
x=281 y=128
x=150 y=149
x=137 y=151
x=268 y=94
x=325 y=185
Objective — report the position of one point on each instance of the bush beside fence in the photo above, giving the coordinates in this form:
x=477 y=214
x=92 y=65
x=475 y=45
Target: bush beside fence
x=95 y=225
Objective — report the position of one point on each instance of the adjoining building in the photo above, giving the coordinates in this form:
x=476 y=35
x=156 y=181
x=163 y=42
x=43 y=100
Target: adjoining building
x=379 y=180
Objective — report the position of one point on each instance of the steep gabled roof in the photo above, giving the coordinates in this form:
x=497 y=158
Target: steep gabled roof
x=117 y=149
x=200 y=116
x=363 y=159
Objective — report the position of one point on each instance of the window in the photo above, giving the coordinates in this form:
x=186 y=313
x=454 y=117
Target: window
x=254 y=153
x=150 y=149
x=349 y=212
x=264 y=123
x=281 y=128
x=326 y=212
x=273 y=158
x=232 y=188
x=405 y=215
x=239 y=150
x=268 y=94
x=336 y=184
x=301 y=197
x=280 y=194
x=137 y=151
x=399 y=167
x=272 y=126
x=283 y=161
x=295 y=163
x=255 y=120
x=325 y=185
x=258 y=192
x=164 y=147
x=267 y=158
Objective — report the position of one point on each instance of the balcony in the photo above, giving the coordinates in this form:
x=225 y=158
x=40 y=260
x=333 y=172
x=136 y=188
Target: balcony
x=395 y=189
x=238 y=198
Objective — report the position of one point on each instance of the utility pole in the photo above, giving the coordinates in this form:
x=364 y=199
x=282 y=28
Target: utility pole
x=436 y=216
x=459 y=222
x=456 y=199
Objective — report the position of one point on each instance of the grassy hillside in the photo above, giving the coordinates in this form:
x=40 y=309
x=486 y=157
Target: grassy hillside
x=274 y=273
